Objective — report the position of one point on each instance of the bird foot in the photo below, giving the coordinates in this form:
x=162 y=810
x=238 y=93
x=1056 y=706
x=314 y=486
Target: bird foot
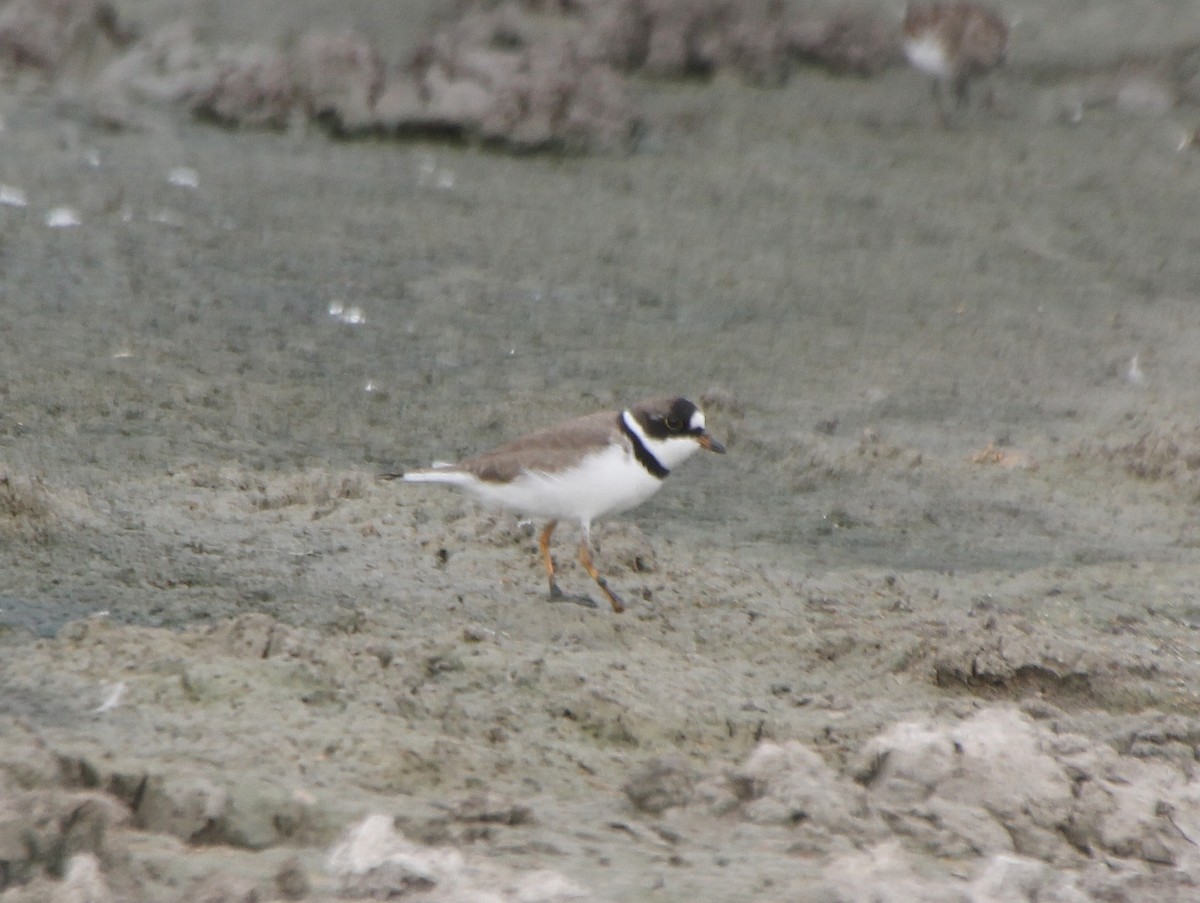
x=557 y=595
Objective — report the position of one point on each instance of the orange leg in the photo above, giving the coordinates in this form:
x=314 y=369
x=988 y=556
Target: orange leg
x=544 y=545
x=585 y=558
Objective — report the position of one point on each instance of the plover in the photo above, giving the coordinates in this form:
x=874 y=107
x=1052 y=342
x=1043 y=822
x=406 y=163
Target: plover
x=602 y=463
x=954 y=41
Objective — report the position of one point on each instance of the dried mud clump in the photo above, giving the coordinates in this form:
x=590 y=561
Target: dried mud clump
x=491 y=77
x=1006 y=797
x=502 y=79
x=661 y=783
x=255 y=88
x=1008 y=657
x=25 y=507
x=528 y=76
x=997 y=784
x=343 y=76
x=790 y=784
x=668 y=39
x=333 y=80
x=847 y=40
x=55 y=834
x=1012 y=660
x=374 y=860
x=762 y=41
x=44 y=35
x=1171 y=454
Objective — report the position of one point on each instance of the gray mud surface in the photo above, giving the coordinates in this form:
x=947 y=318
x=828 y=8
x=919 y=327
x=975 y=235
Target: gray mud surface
x=928 y=632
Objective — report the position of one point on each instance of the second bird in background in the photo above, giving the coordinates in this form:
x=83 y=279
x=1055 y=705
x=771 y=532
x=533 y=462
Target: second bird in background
x=955 y=42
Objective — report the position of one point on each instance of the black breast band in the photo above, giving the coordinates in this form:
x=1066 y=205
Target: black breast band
x=644 y=456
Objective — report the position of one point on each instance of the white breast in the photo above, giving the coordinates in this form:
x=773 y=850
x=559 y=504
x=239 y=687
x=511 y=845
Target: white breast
x=927 y=54
x=606 y=482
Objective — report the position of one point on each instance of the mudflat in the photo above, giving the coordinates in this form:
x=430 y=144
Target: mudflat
x=927 y=632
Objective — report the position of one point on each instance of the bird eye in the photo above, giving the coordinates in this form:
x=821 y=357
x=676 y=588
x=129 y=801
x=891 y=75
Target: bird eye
x=674 y=424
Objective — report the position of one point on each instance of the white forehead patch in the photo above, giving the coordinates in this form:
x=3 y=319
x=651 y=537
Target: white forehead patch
x=697 y=421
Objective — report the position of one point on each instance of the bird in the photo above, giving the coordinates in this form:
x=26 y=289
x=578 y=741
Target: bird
x=581 y=469
x=954 y=41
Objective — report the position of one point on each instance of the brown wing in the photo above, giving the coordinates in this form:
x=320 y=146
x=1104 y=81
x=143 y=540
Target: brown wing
x=547 y=450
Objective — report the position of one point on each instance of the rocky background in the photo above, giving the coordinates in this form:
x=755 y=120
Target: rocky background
x=926 y=633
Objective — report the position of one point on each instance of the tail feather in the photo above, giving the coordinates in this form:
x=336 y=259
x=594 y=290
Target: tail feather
x=439 y=473
x=423 y=475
